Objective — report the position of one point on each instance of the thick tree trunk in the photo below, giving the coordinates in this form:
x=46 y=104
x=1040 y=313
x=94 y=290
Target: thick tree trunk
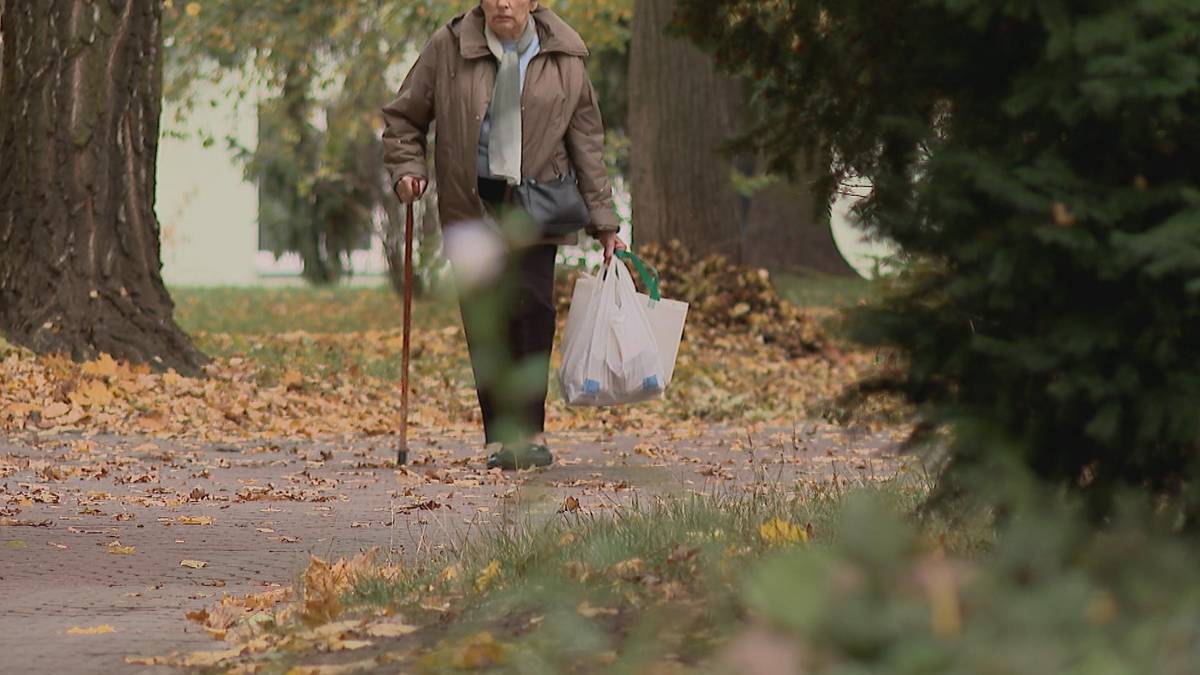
x=680 y=112
x=786 y=231
x=681 y=115
x=80 y=100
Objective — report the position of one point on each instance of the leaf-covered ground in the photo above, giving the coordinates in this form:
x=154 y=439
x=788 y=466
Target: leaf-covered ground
x=311 y=364
x=133 y=504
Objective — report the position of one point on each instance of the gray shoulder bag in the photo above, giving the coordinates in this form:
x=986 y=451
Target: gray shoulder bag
x=554 y=204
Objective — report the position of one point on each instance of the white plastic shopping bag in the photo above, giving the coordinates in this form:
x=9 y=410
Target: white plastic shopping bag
x=619 y=345
x=609 y=352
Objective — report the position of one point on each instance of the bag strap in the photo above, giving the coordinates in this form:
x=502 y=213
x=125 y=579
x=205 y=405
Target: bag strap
x=649 y=274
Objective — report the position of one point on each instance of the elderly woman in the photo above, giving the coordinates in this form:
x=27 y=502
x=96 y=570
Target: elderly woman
x=507 y=86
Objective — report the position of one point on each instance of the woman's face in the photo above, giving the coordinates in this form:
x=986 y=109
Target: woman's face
x=507 y=18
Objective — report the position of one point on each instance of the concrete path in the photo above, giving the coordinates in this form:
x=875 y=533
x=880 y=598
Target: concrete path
x=93 y=531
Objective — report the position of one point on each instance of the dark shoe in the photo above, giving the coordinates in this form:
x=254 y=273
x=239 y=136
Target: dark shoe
x=515 y=457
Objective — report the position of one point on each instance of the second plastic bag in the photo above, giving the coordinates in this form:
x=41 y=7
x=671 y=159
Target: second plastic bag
x=610 y=355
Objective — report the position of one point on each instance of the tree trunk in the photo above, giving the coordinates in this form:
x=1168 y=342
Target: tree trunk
x=680 y=112
x=80 y=98
x=681 y=115
x=787 y=232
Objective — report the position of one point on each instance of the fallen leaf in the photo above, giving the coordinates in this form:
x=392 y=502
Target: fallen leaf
x=450 y=573
x=92 y=393
x=587 y=611
x=116 y=548
x=389 y=630
x=488 y=576
x=629 y=569
x=94 y=630
x=292 y=379
x=477 y=651
x=13 y=522
x=104 y=366
x=570 y=504
x=339 y=645
x=55 y=410
x=780 y=531
x=196 y=520
x=193 y=564
x=207 y=659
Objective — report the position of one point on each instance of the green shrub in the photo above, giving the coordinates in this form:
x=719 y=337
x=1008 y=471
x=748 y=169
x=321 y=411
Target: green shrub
x=1037 y=163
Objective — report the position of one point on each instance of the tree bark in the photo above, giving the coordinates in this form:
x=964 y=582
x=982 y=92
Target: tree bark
x=80 y=267
x=682 y=113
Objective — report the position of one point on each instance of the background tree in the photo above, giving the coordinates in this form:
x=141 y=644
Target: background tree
x=685 y=183
x=322 y=185
x=80 y=101
x=1037 y=161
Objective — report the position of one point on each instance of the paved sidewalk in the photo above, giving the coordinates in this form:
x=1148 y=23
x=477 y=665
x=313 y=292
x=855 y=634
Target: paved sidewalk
x=70 y=508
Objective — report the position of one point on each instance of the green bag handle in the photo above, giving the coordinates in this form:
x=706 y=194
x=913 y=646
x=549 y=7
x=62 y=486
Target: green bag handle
x=649 y=274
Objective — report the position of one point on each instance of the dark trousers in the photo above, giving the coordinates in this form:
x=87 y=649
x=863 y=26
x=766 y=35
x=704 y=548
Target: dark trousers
x=510 y=332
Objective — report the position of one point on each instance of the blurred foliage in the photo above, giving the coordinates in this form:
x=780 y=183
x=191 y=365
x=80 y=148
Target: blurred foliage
x=824 y=581
x=1036 y=162
x=318 y=73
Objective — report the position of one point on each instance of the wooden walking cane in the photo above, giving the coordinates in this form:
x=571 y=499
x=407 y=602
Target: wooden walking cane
x=402 y=451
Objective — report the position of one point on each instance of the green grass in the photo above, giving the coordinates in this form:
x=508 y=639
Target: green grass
x=821 y=290
x=620 y=593
x=344 y=309
x=265 y=311
x=680 y=585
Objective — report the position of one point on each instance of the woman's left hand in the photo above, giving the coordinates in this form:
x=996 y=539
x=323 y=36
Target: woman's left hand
x=611 y=243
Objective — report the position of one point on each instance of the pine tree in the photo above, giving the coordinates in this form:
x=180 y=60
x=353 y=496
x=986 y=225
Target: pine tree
x=1037 y=162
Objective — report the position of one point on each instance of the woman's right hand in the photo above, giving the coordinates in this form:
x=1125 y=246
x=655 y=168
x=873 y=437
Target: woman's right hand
x=410 y=188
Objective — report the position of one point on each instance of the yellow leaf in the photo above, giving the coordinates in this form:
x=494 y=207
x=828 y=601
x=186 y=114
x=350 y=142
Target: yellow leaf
x=477 y=651
x=487 y=576
x=104 y=366
x=390 y=630
x=207 y=659
x=193 y=564
x=116 y=548
x=340 y=645
x=1061 y=215
x=292 y=379
x=321 y=592
x=451 y=573
x=196 y=520
x=629 y=569
x=780 y=531
x=192 y=9
x=56 y=409
x=330 y=631
x=94 y=630
x=587 y=611
x=92 y=393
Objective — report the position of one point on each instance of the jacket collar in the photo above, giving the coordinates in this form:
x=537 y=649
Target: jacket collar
x=553 y=33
